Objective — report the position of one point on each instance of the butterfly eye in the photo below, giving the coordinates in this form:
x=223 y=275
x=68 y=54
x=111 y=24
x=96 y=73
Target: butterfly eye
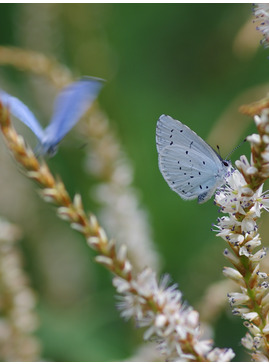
x=225 y=163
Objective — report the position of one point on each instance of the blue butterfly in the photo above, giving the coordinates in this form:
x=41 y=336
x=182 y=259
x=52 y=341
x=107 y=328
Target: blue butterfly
x=71 y=103
x=188 y=164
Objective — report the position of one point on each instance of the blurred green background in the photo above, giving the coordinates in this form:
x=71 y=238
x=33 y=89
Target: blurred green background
x=191 y=61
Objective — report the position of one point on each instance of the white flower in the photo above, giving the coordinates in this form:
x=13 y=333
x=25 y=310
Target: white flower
x=223 y=355
x=247 y=341
x=250 y=316
x=254 y=139
x=203 y=347
x=257 y=356
x=266 y=329
x=235 y=197
x=248 y=224
x=265 y=154
x=254 y=242
x=236 y=298
x=259 y=255
x=233 y=274
x=244 y=251
x=262 y=120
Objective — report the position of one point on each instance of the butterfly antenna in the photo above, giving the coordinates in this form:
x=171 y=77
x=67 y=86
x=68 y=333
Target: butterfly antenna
x=236 y=148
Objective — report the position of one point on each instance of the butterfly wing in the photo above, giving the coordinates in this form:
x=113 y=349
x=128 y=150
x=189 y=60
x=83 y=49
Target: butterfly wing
x=188 y=164
x=190 y=175
x=72 y=102
x=170 y=131
x=21 y=112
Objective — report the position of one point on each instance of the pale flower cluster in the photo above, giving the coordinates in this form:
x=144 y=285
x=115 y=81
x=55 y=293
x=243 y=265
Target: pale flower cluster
x=261 y=13
x=243 y=202
x=237 y=198
x=172 y=323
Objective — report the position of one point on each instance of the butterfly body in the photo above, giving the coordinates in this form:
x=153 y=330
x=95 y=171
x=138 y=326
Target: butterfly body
x=188 y=164
x=71 y=103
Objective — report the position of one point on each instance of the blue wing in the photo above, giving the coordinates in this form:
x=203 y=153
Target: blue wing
x=21 y=112
x=72 y=102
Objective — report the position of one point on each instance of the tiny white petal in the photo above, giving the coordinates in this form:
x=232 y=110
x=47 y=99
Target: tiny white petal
x=127 y=267
x=121 y=284
x=254 y=330
x=265 y=139
x=236 y=298
x=257 y=119
x=259 y=255
x=258 y=356
x=254 y=138
x=160 y=320
x=203 y=347
x=102 y=234
x=193 y=318
x=77 y=201
x=122 y=253
x=78 y=227
x=265 y=155
x=148 y=333
x=265 y=330
x=244 y=251
x=93 y=240
x=232 y=273
x=223 y=355
x=250 y=316
x=104 y=260
x=247 y=341
x=252 y=170
x=248 y=224
x=262 y=275
x=236 y=238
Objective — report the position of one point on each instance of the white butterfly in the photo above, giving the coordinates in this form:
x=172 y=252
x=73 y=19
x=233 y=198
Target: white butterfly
x=188 y=164
x=71 y=103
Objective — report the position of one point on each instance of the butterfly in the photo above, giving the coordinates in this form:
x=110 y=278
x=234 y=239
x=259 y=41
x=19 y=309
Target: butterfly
x=188 y=164
x=70 y=104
